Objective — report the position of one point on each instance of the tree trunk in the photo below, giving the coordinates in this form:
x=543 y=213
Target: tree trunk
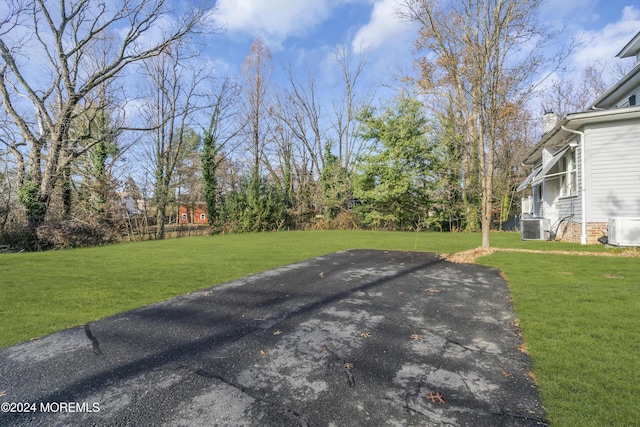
x=487 y=195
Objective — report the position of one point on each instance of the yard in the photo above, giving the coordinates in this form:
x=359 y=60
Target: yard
x=579 y=314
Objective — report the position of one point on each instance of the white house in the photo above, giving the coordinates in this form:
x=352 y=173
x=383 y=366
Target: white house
x=585 y=182
x=128 y=204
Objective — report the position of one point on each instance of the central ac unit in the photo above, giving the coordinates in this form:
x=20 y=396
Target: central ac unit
x=624 y=232
x=535 y=229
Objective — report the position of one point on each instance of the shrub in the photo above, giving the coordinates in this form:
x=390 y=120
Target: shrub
x=74 y=234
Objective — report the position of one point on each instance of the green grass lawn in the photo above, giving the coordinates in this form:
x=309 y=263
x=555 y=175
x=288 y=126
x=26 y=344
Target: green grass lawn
x=580 y=326
x=48 y=291
x=580 y=317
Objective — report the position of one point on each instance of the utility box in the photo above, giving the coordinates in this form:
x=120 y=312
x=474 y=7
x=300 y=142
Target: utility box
x=535 y=229
x=624 y=231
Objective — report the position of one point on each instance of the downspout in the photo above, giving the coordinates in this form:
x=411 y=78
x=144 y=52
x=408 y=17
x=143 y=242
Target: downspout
x=583 y=191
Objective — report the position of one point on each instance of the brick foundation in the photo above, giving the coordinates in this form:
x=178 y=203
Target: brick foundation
x=571 y=232
x=595 y=230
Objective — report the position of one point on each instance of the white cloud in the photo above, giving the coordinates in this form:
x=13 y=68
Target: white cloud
x=603 y=45
x=384 y=26
x=275 y=20
x=570 y=10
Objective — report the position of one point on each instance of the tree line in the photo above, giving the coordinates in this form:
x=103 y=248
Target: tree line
x=104 y=101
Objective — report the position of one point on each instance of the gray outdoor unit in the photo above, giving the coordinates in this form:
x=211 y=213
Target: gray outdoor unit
x=535 y=229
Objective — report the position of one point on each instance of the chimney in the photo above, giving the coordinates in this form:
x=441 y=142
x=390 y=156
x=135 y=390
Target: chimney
x=549 y=120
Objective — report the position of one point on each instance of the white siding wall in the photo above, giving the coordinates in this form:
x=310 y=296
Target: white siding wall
x=571 y=207
x=613 y=170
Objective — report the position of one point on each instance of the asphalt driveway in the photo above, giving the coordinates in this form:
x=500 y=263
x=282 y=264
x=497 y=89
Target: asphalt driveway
x=354 y=338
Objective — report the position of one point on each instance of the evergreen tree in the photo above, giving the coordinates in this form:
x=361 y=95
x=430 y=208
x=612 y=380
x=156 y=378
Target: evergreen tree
x=397 y=177
x=209 y=180
x=336 y=188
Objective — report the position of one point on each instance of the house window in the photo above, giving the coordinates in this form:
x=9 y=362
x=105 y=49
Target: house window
x=203 y=217
x=569 y=176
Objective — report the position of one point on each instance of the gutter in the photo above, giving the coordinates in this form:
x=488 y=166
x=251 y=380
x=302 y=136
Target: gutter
x=583 y=191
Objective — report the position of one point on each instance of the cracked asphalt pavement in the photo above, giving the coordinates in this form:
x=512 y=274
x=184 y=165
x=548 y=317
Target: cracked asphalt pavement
x=354 y=338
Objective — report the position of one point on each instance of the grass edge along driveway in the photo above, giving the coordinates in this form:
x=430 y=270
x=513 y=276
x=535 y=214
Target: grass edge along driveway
x=580 y=318
x=579 y=315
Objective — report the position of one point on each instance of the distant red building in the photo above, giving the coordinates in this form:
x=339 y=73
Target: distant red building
x=195 y=214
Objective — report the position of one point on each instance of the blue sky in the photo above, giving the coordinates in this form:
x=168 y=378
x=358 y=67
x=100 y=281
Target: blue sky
x=306 y=32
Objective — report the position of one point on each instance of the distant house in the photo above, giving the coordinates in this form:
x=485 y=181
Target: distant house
x=194 y=214
x=128 y=204
x=585 y=179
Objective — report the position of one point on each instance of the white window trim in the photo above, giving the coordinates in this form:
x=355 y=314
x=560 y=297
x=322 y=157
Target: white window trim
x=569 y=176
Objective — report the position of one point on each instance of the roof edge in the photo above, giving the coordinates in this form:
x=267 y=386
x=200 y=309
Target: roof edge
x=616 y=87
x=631 y=48
x=575 y=121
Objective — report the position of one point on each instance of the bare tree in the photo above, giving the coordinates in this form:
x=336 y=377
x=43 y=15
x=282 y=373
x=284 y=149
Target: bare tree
x=348 y=104
x=299 y=110
x=173 y=99
x=46 y=73
x=187 y=177
x=300 y=139
x=6 y=192
x=257 y=75
x=8 y=181
x=569 y=94
x=482 y=57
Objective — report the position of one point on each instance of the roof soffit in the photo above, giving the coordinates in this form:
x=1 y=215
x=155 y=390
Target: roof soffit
x=620 y=90
x=561 y=133
x=631 y=49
